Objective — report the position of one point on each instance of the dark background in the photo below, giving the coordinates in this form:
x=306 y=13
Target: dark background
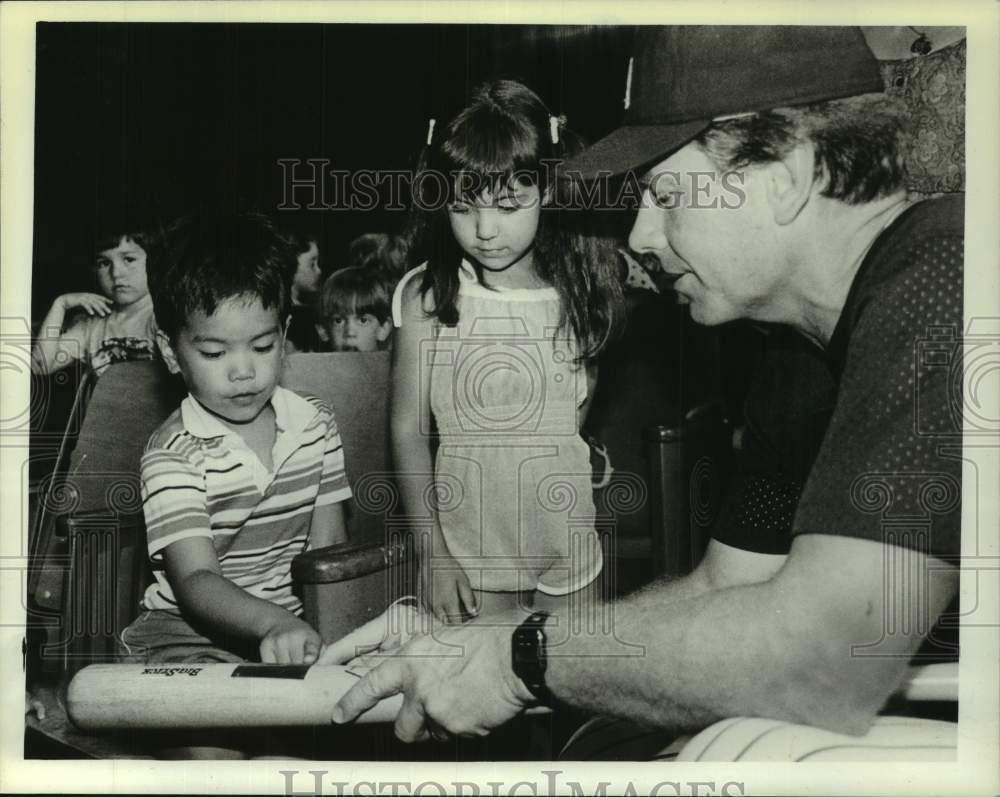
x=146 y=121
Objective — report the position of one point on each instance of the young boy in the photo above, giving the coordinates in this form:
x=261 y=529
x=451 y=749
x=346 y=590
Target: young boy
x=118 y=322
x=355 y=310
x=245 y=474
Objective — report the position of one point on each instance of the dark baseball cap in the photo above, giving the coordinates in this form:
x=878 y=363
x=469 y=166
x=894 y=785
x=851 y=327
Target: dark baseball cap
x=682 y=78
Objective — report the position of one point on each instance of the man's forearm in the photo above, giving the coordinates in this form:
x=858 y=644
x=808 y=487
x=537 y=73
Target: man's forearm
x=684 y=663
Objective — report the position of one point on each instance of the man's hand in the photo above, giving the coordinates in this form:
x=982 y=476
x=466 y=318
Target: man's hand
x=290 y=641
x=451 y=597
x=385 y=634
x=458 y=679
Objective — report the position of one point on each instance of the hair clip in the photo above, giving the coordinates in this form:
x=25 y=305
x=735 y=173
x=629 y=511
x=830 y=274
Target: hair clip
x=430 y=130
x=554 y=129
x=628 y=83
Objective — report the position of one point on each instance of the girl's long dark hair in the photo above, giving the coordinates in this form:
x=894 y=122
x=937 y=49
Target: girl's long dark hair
x=505 y=133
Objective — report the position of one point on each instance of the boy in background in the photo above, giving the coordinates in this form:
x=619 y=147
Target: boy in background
x=355 y=311
x=113 y=325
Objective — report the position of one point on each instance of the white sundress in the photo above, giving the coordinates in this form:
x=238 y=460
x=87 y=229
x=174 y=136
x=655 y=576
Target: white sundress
x=513 y=477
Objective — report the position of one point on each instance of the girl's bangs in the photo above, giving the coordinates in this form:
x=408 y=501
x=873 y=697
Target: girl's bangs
x=474 y=162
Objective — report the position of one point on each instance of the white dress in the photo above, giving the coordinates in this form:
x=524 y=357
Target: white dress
x=512 y=473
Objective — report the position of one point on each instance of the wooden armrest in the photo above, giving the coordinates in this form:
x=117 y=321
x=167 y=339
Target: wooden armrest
x=346 y=560
x=345 y=585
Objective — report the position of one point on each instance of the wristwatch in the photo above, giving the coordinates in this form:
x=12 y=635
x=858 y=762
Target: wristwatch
x=528 y=657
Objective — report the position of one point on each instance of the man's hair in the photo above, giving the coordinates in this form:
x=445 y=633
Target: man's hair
x=857 y=140
x=205 y=260
x=356 y=290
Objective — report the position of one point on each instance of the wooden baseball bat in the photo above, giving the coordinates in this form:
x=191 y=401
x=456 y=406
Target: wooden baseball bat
x=117 y=696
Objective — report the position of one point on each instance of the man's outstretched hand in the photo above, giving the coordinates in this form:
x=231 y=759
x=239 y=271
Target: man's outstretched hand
x=456 y=678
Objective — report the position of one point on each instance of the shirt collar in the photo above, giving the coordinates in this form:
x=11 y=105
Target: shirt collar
x=292 y=414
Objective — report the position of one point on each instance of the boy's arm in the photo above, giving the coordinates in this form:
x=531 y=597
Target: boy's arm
x=203 y=592
x=54 y=349
x=328 y=526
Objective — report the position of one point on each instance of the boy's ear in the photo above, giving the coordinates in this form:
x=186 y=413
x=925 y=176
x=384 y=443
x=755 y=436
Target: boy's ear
x=384 y=331
x=167 y=352
x=323 y=334
x=547 y=196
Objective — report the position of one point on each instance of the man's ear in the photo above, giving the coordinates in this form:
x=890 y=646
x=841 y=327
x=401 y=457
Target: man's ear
x=383 y=331
x=167 y=352
x=790 y=183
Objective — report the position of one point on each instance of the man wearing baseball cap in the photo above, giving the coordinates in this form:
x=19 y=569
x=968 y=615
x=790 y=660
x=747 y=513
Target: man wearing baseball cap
x=773 y=191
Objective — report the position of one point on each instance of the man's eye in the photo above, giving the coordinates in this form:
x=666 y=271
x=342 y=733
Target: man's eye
x=211 y=355
x=669 y=198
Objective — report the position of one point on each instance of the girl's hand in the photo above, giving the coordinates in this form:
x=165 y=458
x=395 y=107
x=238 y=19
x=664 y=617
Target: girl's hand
x=291 y=641
x=93 y=303
x=451 y=597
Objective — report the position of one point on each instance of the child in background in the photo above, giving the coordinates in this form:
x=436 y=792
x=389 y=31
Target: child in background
x=354 y=310
x=116 y=324
x=388 y=253
x=495 y=334
x=242 y=477
x=305 y=277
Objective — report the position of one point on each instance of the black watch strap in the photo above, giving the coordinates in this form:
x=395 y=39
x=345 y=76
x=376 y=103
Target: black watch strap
x=528 y=656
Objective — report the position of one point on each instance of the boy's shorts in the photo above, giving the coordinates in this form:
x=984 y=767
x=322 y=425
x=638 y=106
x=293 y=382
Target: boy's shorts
x=158 y=636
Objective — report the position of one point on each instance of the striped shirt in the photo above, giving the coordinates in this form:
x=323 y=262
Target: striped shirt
x=199 y=479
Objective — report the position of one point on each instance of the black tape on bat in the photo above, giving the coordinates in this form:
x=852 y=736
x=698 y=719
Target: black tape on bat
x=293 y=671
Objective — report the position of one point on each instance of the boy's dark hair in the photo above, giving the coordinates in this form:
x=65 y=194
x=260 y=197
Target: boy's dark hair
x=356 y=290
x=380 y=250
x=111 y=237
x=205 y=260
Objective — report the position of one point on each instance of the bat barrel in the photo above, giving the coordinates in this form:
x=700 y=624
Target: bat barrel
x=122 y=696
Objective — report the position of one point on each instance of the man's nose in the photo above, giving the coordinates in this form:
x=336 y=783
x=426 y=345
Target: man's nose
x=648 y=232
x=486 y=224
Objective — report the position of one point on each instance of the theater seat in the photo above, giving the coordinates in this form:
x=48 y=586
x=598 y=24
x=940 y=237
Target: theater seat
x=96 y=568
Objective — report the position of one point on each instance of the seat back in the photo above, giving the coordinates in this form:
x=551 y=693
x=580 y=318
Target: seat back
x=688 y=468
x=95 y=566
x=356 y=385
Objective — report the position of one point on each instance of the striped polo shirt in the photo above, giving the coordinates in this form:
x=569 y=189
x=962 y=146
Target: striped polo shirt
x=200 y=479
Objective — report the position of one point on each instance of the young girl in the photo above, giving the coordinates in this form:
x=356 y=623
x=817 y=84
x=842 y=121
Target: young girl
x=117 y=323
x=495 y=333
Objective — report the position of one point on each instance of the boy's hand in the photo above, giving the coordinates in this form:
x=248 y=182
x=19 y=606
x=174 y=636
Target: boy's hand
x=292 y=641
x=93 y=303
x=451 y=595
